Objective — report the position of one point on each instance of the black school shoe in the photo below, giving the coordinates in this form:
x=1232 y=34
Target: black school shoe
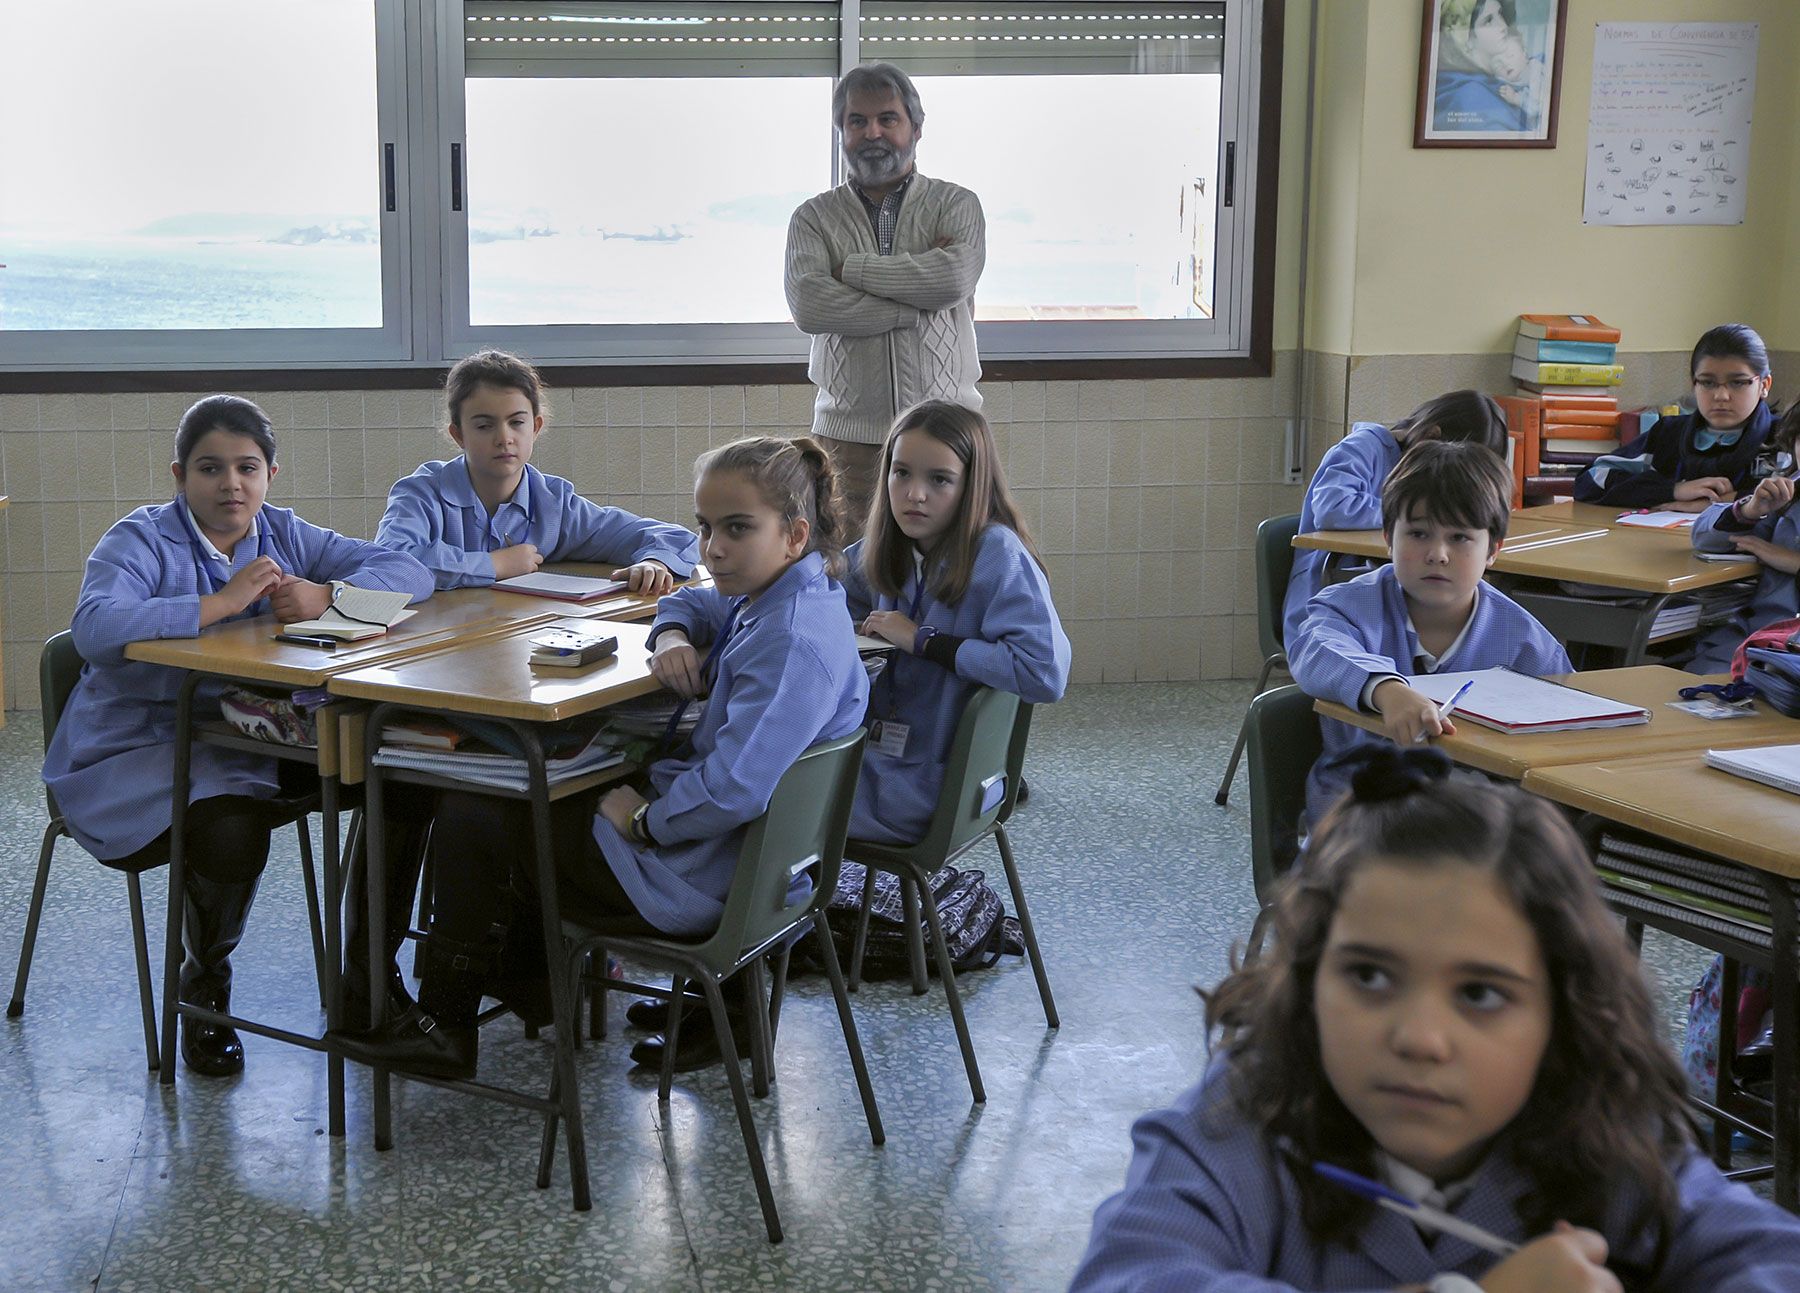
x=652 y=1013
x=699 y=1048
x=414 y=1043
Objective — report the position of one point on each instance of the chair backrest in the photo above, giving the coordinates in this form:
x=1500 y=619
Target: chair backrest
x=1015 y=761
x=59 y=669
x=1282 y=744
x=1274 y=565
x=804 y=826
x=986 y=753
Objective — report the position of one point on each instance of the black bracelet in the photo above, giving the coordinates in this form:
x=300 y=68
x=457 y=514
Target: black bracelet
x=940 y=649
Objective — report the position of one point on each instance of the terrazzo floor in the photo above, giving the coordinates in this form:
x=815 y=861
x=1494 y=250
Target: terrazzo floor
x=1139 y=885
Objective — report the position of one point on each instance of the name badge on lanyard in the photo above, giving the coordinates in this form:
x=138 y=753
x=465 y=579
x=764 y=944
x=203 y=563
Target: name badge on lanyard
x=888 y=735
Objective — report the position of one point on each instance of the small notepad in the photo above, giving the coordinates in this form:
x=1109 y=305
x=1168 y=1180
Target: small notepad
x=1773 y=765
x=1658 y=520
x=356 y=613
x=1517 y=702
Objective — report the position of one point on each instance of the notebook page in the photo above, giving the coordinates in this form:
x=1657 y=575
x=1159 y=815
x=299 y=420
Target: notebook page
x=367 y=605
x=1508 y=700
x=1658 y=520
x=551 y=584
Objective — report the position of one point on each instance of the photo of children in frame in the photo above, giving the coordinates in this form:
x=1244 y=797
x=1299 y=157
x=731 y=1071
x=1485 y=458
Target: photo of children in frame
x=1489 y=73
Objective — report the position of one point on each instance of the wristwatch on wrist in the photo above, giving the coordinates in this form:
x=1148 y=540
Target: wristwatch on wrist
x=639 y=825
x=924 y=635
x=1450 y=1282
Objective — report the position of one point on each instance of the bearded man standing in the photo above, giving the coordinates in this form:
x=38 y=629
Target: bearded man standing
x=881 y=273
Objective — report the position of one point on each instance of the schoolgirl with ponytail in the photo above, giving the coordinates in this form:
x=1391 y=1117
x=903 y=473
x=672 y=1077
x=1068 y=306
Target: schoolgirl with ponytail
x=947 y=573
x=1448 y=1010
x=770 y=650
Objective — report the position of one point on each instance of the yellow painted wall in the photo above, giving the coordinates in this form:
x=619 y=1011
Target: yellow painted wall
x=1445 y=247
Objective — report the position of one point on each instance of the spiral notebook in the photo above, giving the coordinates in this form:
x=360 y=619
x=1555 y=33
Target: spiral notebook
x=1773 y=765
x=1517 y=702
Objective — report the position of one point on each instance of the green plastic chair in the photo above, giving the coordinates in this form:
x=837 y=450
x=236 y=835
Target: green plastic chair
x=1274 y=566
x=1284 y=742
x=802 y=830
x=988 y=749
x=59 y=669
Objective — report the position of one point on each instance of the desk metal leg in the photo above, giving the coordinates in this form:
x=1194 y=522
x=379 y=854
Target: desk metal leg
x=1786 y=993
x=375 y=887
x=184 y=754
x=562 y=987
x=334 y=950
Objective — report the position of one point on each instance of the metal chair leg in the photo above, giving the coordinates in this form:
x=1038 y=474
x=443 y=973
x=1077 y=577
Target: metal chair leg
x=312 y=906
x=1031 y=943
x=140 y=946
x=598 y=993
x=852 y=1043
x=672 y=1039
x=547 y=1146
x=1237 y=751
x=778 y=990
x=910 y=901
x=862 y=929
x=947 y=972
x=16 y=1006
x=756 y=1023
x=734 y=1073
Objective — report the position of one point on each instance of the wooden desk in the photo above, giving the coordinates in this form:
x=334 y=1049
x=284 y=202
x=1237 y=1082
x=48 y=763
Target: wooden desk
x=1568 y=512
x=1513 y=755
x=1677 y=798
x=1372 y=544
x=1630 y=559
x=492 y=678
x=629 y=607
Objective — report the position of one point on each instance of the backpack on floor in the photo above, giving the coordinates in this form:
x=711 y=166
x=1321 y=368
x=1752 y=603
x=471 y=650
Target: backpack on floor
x=977 y=929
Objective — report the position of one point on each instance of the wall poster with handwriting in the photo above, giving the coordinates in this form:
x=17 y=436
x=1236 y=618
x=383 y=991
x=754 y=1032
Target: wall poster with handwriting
x=1669 y=122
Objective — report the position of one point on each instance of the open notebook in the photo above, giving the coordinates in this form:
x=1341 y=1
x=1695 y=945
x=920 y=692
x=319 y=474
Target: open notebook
x=355 y=613
x=1516 y=702
x=1773 y=765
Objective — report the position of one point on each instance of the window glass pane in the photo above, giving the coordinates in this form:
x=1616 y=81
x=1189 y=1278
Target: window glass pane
x=1099 y=190
x=640 y=200
x=191 y=164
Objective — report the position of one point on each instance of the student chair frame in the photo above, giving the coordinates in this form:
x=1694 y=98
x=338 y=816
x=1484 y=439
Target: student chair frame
x=1283 y=741
x=989 y=744
x=59 y=669
x=802 y=830
x=1274 y=566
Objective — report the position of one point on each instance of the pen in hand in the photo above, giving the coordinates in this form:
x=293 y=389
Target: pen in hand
x=1417 y=1213
x=1445 y=710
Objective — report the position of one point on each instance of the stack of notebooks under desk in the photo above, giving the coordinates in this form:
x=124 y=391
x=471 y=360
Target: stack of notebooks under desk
x=1682 y=886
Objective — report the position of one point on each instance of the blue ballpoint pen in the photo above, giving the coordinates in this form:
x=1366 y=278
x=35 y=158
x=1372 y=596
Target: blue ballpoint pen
x=1419 y=1213
x=1449 y=705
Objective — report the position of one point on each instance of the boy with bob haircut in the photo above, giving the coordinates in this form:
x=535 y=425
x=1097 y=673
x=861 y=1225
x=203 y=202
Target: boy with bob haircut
x=1444 y=511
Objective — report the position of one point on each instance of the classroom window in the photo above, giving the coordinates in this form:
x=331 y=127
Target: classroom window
x=317 y=183
x=176 y=191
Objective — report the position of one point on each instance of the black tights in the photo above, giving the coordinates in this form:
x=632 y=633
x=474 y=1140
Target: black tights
x=227 y=840
x=483 y=865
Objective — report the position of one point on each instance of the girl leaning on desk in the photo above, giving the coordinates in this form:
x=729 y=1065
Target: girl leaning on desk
x=216 y=552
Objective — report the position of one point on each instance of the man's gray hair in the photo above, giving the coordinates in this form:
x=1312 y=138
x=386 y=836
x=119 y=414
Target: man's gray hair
x=877 y=76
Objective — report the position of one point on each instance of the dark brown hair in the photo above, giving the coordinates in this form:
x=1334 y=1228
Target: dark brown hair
x=231 y=413
x=1731 y=341
x=1455 y=415
x=492 y=368
x=796 y=479
x=1607 y=1116
x=887 y=554
x=1451 y=483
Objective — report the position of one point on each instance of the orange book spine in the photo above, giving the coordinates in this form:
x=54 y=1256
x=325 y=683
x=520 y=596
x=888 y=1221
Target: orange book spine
x=1560 y=430
x=1568 y=327
x=1607 y=418
x=1524 y=417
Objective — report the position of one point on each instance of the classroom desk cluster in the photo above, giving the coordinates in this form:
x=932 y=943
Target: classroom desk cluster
x=1641 y=569
x=1653 y=778
x=463 y=652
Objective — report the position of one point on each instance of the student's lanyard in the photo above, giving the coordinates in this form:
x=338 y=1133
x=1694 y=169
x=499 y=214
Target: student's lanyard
x=890 y=695
x=524 y=484
x=204 y=564
x=708 y=667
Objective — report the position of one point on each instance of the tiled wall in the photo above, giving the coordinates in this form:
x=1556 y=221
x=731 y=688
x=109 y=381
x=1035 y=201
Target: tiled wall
x=1144 y=495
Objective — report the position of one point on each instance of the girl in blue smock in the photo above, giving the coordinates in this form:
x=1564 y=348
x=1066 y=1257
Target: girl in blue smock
x=1345 y=492
x=770 y=648
x=948 y=574
x=491 y=515
x=215 y=553
x=1446 y=1008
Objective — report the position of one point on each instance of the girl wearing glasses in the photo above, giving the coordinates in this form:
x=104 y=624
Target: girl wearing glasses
x=1688 y=462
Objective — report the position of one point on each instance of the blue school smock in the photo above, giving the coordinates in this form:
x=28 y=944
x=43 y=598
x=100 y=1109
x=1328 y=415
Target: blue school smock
x=434 y=516
x=1345 y=494
x=1360 y=630
x=1012 y=642
x=788 y=678
x=111 y=764
x=1210 y=1205
x=1777 y=593
x=1644 y=472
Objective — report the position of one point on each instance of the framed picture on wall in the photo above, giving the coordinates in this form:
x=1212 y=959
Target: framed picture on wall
x=1490 y=73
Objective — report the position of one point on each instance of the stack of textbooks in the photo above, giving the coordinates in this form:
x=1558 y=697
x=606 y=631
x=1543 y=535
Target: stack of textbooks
x=483 y=754
x=1566 y=411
